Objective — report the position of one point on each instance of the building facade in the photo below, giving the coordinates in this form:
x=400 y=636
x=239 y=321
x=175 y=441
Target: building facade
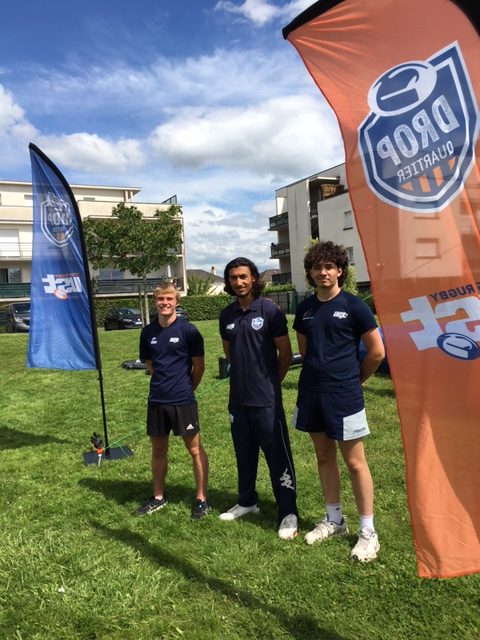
x=314 y=207
x=93 y=201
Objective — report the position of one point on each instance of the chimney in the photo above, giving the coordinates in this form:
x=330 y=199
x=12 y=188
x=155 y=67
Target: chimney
x=213 y=270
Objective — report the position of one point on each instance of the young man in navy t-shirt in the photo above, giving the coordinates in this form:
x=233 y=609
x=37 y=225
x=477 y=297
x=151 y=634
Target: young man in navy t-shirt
x=255 y=341
x=172 y=349
x=330 y=407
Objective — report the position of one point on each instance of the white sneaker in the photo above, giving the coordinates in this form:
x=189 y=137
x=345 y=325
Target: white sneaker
x=367 y=546
x=238 y=512
x=325 y=529
x=288 y=527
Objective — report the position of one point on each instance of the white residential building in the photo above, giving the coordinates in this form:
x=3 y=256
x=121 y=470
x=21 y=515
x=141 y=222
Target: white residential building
x=93 y=201
x=314 y=207
x=319 y=207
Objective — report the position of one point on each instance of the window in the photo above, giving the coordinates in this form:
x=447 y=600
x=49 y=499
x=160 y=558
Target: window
x=89 y=199
x=347 y=220
x=350 y=255
x=11 y=275
x=28 y=196
x=9 y=243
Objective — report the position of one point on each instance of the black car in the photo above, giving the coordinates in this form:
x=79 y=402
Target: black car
x=18 y=317
x=181 y=313
x=123 y=318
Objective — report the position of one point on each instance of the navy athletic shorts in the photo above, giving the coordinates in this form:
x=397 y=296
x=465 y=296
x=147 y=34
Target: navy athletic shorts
x=338 y=414
x=181 y=419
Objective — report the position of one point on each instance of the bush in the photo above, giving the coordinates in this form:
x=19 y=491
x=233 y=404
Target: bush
x=204 y=307
x=367 y=297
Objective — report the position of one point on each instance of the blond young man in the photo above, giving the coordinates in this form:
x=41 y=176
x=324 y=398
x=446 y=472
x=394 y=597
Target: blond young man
x=173 y=352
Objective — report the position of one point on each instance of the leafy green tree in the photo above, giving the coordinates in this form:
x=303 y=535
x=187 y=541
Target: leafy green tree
x=198 y=286
x=130 y=242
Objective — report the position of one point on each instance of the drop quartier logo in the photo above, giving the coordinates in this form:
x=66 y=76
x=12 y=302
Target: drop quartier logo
x=417 y=142
x=56 y=220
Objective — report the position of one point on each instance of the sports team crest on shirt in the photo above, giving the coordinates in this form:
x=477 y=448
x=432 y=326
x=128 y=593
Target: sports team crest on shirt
x=257 y=323
x=56 y=220
x=417 y=142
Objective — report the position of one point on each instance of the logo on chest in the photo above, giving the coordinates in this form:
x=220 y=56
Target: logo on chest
x=340 y=314
x=257 y=323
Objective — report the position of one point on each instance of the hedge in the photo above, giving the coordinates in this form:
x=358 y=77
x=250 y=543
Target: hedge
x=198 y=307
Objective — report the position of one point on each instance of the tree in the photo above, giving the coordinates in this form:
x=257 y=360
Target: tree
x=198 y=286
x=129 y=242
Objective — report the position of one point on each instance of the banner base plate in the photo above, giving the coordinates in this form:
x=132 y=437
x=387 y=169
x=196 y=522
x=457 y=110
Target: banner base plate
x=116 y=453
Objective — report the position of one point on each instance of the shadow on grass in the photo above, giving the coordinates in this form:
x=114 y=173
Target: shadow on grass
x=14 y=439
x=125 y=492
x=302 y=627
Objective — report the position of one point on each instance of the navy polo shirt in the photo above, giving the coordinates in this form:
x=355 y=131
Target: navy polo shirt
x=171 y=350
x=333 y=330
x=254 y=378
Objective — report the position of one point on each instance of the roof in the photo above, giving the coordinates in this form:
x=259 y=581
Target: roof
x=204 y=275
x=266 y=275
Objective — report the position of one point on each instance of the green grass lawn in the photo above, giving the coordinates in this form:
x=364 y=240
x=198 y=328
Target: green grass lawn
x=75 y=562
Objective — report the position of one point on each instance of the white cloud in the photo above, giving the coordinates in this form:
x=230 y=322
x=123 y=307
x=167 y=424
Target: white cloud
x=222 y=78
x=90 y=153
x=282 y=136
x=260 y=12
x=214 y=236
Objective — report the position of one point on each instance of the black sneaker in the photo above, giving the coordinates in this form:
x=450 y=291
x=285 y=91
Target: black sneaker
x=199 y=509
x=151 y=505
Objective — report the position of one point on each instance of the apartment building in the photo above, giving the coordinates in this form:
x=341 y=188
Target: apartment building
x=93 y=201
x=319 y=207
x=314 y=207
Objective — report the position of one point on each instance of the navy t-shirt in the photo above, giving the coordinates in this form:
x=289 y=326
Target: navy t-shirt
x=171 y=350
x=254 y=378
x=333 y=330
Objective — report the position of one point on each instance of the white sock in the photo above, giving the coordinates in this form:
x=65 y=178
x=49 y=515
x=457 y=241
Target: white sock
x=367 y=521
x=334 y=513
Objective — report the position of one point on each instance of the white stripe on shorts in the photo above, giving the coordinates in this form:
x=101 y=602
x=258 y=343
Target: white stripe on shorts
x=355 y=426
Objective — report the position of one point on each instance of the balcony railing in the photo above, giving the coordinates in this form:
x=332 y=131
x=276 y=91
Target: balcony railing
x=130 y=286
x=278 y=221
x=279 y=250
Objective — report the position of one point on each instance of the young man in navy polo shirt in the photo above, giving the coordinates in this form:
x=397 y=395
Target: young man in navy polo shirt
x=172 y=349
x=256 y=343
x=330 y=407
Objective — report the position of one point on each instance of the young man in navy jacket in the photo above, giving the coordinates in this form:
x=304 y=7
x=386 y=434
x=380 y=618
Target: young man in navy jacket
x=256 y=343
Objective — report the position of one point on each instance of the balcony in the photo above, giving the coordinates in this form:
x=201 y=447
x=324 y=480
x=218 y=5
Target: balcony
x=277 y=222
x=281 y=278
x=280 y=250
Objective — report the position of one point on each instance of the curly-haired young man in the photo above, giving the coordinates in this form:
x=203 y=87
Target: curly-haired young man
x=330 y=406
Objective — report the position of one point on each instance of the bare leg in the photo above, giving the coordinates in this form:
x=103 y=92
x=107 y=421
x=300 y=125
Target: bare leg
x=353 y=453
x=159 y=463
x=199 y=463
x=326 y=452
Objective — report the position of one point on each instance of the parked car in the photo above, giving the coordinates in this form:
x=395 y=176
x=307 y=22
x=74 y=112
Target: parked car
x=122 y=318
x=181 y=313
x=18 y=317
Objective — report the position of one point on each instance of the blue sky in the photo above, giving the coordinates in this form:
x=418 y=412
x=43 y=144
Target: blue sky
x=198 y=98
